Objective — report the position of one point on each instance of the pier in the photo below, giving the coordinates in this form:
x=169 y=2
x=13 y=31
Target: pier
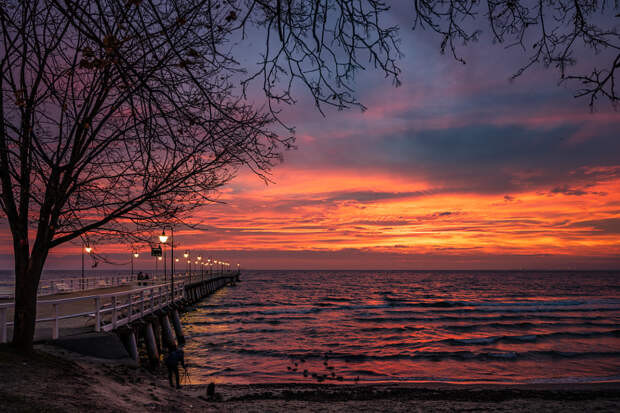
x=149 y=313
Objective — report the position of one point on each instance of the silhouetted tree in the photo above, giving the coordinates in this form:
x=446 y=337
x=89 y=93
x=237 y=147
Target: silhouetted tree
x=322 y=43
x=114 y=114
x=122 y=114
x=547 y=32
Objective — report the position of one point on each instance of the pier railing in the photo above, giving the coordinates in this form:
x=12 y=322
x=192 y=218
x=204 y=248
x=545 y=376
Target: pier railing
x=102 y=312
x=69 y=285
x=77 y=284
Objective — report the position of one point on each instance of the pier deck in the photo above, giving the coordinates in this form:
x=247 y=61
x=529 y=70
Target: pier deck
x=106 y=309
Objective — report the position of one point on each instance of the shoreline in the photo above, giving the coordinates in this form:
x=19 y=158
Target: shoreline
x=56 y=380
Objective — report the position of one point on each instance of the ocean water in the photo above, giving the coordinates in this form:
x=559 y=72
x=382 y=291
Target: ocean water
x=458 y=327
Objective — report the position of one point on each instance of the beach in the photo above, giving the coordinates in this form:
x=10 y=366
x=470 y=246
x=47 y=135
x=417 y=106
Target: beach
x=56 y=380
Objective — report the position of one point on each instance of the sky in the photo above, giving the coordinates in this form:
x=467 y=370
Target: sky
x=458 y=168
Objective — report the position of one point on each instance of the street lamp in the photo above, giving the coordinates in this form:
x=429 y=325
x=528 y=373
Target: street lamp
x=88 y=250
x=186 y=256
x=163 y=238
x=133 y=255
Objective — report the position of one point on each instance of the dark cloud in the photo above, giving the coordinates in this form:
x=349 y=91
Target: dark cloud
x=381 y=223
x=372 y=196
x=609 y=226
x=480 y=158
x=565 y=190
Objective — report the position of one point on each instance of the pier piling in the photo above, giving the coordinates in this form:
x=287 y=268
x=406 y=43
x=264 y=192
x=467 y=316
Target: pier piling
x=151 y=345
x=176 y=323
x=132 y=345
x=166 y=331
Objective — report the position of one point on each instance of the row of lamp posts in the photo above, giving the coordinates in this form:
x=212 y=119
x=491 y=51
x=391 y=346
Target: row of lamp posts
x=163 y=238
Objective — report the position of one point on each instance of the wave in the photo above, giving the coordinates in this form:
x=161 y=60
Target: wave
x=511 y=310
x=525 y=303
x=240 y=331
x=311 y=310
x=435 y=307
x=529 y=337
x=523 y=325
x=461 y=355
x=538 y=303
x=472 y=318
x=403 y=329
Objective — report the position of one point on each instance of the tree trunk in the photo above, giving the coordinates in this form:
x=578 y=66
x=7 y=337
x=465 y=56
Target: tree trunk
x=27 y=275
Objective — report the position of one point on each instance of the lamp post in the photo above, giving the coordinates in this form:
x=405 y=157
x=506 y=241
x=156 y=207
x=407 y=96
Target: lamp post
x=163 y=238
x=133 y=255
x=88 y=250
x=186 y=256
x=199 y=258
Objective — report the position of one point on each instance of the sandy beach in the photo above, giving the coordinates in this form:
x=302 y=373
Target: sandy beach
x=56 y=380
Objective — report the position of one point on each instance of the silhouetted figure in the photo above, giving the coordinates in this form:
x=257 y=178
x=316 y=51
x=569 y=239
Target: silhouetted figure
x=211 y=390
x=174 y=357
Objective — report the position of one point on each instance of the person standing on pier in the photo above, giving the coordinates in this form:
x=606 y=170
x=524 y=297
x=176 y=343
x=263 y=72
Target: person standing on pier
x=174 y=357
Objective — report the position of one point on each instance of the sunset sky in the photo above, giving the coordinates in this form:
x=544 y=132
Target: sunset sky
x=457 y=168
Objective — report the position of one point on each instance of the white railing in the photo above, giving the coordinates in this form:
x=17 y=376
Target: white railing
x=69 y=285
x=106 y=311
x=77 y=284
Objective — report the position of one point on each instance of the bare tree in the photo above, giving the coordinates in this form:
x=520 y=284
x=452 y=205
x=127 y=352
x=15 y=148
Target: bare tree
x=114 y=114
x=322 y=43
x=119 y=114
x=548 y=32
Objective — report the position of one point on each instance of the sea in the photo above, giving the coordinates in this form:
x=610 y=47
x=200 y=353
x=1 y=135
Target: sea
x=406 y=326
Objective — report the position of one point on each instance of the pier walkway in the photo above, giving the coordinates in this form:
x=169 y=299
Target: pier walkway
x=107 y=309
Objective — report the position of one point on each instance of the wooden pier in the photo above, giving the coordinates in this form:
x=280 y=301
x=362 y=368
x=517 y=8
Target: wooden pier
x=127 y=312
